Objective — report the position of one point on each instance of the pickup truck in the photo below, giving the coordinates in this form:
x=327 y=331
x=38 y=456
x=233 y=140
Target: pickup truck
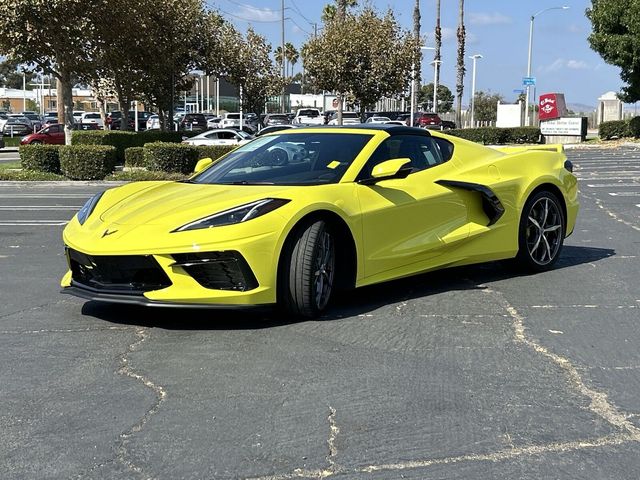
x=308 y=116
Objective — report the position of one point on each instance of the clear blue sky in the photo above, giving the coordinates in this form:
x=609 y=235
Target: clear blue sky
x=497 y=29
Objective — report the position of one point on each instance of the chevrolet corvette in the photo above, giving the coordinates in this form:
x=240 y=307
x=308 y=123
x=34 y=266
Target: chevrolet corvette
x=294 y=216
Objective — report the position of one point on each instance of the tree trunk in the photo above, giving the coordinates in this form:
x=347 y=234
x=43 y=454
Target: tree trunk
x=418 y=61
x=460 y=77
x=102 y=110
x=125 y=105
x=65 y=98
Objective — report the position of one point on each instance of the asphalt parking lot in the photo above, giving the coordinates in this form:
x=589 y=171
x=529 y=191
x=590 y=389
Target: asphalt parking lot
x=475 y=372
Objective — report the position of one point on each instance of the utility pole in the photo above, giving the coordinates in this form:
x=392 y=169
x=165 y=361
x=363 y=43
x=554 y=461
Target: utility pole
x=342 y=15
x=283 y=105
x=415 y=72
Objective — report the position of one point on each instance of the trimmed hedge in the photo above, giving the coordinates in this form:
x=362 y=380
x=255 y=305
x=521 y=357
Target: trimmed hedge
x=87 y=162
x=634 y=127
x=614 y=129
x=170 y=157
x=123 y=140
x=498 y=136
x=145 y=175
x=40 y=158
x=134 y=157
x=213 y=151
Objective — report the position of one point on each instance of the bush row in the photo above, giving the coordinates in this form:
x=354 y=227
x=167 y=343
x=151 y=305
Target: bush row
x=498 y=136
x=172 y=157
x=614 y=129
x=123 y=140
x=77 y=162
x=95 y=162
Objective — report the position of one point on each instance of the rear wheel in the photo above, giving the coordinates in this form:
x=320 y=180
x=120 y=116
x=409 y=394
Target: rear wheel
x=307 y=276
x=35 y=142
x=541 y=233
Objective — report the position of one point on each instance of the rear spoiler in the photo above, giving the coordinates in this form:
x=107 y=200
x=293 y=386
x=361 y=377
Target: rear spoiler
x=558 y=148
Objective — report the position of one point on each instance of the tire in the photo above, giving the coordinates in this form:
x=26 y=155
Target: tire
x=308 y=273
x=541 y=232
x=35 y=142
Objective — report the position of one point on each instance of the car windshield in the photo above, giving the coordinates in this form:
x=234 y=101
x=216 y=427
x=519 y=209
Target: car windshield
x=308 y=113
x=233 y=116
x=309 y=158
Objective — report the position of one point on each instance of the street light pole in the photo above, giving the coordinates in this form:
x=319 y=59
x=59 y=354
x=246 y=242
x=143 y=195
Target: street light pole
x=473 y=88
x=564 y=7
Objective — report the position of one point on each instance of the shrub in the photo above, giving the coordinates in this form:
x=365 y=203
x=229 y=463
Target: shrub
x=614 y=129
x=134 y=157
x=170 y=157
x=213 y=151
x=498 y=136
x=122 y=140
x=87 y=162
x=40 y=158
x=634 y=127
x=29 y=176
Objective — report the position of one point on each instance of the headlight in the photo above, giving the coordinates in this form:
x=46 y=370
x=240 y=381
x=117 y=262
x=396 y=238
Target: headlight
x=239 y=214
x=88 y=208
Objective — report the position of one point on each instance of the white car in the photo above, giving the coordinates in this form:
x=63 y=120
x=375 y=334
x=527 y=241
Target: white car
x=348 y=118
x=375 y=119
x=77 y=115
x=230 y=120
x=308 y=116
x=91 y=118
x=221 y=136
x=153 y=122
x=213 y=123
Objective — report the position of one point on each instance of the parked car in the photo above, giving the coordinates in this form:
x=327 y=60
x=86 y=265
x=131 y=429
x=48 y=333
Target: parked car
x=153 y=122
x=34 y=118
x=16 y=126
x=230 y=120
x=193 y=122
x=276 y=119
x=426 y=120
x=91 y=118
x=50 y=135
x=221 y=136
x=308 y=116
x=376 y=119
x=348 y=118
x=77 y=116
x=448 y=125
x=213 y=122
x=114 y=119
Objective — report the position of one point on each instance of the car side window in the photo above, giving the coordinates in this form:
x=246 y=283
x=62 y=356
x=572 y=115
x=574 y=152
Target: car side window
x=226 y=135
x=421 y=150
x=212 y=135
x=445 y=147
x=53 y=129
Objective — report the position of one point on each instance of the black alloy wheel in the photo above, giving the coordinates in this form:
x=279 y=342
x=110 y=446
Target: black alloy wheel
x=542 y=231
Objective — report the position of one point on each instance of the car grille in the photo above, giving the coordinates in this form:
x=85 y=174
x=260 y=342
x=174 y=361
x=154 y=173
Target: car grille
x=218 y=270
x=123 y=274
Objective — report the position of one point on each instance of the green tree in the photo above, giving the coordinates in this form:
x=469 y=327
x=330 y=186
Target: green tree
x=54 y=36
x=616 y=38
x=364 y=55
x=330 y=10
x=11 y=76
x=486 y=106
x=445 y=98
x=252 y=69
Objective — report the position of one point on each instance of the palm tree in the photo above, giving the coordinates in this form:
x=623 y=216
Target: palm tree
x=291 y=55
x=438 y=39
x=460 y=68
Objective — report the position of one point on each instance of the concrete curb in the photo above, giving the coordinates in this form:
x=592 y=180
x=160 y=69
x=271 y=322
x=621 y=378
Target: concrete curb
x=63 y=183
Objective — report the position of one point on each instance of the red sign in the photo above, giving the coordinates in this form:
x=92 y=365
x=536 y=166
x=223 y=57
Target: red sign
x=552 y=106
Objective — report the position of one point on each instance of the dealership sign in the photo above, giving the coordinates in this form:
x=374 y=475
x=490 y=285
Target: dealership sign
x=564 y=127
x=551 y=105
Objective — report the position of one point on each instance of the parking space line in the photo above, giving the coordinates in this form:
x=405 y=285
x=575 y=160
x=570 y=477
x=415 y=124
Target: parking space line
x=624 y=194
x=38 y=207
x=614 y=185
x=33 y=223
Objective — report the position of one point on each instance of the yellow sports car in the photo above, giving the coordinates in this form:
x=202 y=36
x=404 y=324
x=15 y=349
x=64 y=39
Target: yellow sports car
x=293 y=216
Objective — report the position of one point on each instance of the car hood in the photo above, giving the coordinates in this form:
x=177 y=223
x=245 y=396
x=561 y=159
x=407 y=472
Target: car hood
x=176 y=203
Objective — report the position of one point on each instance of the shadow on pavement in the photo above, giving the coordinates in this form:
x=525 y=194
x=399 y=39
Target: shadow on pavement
x=360 y=301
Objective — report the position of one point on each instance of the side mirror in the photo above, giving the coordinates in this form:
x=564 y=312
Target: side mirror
x=202 y=164
x=395 y=168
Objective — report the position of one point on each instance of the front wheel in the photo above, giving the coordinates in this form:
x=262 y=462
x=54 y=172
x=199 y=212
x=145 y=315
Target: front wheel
x=541 y=232
x=307 y=276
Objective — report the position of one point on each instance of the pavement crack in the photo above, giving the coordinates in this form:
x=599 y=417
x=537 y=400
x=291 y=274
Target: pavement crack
x=600 y=404
x=160 y=393
x=333 y=435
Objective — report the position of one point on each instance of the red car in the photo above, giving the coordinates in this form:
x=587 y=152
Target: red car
x=426 y=120
x=51 y=135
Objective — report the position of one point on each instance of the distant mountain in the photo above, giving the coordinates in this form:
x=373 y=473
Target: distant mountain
x=580 y=108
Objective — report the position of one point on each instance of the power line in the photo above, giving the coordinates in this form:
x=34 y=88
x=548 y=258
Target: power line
x=297 y=9
x=296 y=24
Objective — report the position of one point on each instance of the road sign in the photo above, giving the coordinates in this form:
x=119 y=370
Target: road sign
x=528 y=81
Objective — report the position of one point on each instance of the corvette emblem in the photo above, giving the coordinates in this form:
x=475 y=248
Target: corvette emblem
x=108 y=232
